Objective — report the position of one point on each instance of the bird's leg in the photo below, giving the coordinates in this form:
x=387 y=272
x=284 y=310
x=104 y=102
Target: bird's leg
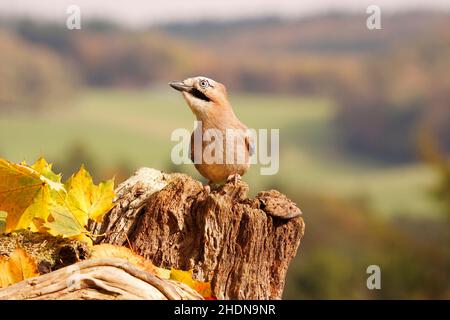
x=207 y=187
x=234 y=178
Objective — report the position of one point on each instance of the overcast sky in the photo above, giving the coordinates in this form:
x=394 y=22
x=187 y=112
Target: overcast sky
x=143 y=12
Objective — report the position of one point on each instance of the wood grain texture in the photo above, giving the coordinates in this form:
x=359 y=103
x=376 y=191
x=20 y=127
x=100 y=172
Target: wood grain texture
x=105 y=279
x=242 y=246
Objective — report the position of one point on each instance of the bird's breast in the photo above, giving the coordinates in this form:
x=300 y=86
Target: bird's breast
x=219 y=153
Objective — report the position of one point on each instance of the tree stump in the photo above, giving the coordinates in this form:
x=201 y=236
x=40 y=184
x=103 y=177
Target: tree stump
x=242 y=246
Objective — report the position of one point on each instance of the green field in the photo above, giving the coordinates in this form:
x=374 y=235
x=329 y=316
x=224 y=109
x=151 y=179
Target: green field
x=134 y=127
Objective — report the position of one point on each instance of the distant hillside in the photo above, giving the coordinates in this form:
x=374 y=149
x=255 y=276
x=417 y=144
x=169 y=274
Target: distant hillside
x=328 y=34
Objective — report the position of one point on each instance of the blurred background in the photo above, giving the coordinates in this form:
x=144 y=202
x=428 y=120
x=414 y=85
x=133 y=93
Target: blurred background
x=364 y=115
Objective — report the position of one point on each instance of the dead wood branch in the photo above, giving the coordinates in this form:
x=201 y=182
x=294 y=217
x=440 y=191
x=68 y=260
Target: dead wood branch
x=109 y=278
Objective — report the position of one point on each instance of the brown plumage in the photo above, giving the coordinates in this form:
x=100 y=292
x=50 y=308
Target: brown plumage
x=209 y=102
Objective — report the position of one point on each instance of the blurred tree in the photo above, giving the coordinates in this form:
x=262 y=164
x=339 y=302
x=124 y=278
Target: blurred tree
x=79 y=154
x=128 y=60
x=380 y=119
x=31 y=77
x=120 y=171
x=433 y=154
x=55 y=36
x=342 y=239
x=71 y=161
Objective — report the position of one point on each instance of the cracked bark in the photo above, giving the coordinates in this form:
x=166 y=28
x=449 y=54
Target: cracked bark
x=242 y=246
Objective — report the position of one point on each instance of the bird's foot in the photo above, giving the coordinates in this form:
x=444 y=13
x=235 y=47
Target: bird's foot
x=234 y=178
x=207 y=188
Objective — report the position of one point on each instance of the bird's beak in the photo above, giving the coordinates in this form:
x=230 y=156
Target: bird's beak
x=180 y=86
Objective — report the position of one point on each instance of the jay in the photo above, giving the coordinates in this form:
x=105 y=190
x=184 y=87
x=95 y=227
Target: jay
x=218 y=126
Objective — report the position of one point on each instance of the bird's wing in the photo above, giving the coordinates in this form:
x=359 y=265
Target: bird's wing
x=250 y=144
x=191 y=148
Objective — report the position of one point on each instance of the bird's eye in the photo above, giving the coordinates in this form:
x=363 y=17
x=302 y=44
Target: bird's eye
x=204 y=84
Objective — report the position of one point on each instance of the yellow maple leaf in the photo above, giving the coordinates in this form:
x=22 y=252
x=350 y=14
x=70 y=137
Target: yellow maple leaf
x=19 y=266
x=3 y=215
x=34 y=197
x=86 y=200
x=45 y=169
x=23 y=193
x=63 y=222
x=113 y=251
x=186 y=277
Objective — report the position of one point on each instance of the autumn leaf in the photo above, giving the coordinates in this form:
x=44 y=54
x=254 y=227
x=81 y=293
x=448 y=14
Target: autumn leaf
x=102 y=200
x=19 y=266
x=83 y=201
x=113 y=251
x=63 y=222
x=3 y=215
x=23 y=193
x=45 y=169
x=34 y=198
x=186 y=277
x=86 y=200
x=38 y=211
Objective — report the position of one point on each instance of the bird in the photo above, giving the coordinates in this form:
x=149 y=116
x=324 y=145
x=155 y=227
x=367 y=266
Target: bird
x=208 y=101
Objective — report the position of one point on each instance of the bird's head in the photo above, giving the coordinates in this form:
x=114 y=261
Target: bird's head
x=203 y=95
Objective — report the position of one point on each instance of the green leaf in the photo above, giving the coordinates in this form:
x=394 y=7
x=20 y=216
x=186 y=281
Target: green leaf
x=64 y=223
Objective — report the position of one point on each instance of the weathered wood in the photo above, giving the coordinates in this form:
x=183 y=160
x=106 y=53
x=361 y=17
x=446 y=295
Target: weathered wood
x=107 y=278
x=242 y=246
